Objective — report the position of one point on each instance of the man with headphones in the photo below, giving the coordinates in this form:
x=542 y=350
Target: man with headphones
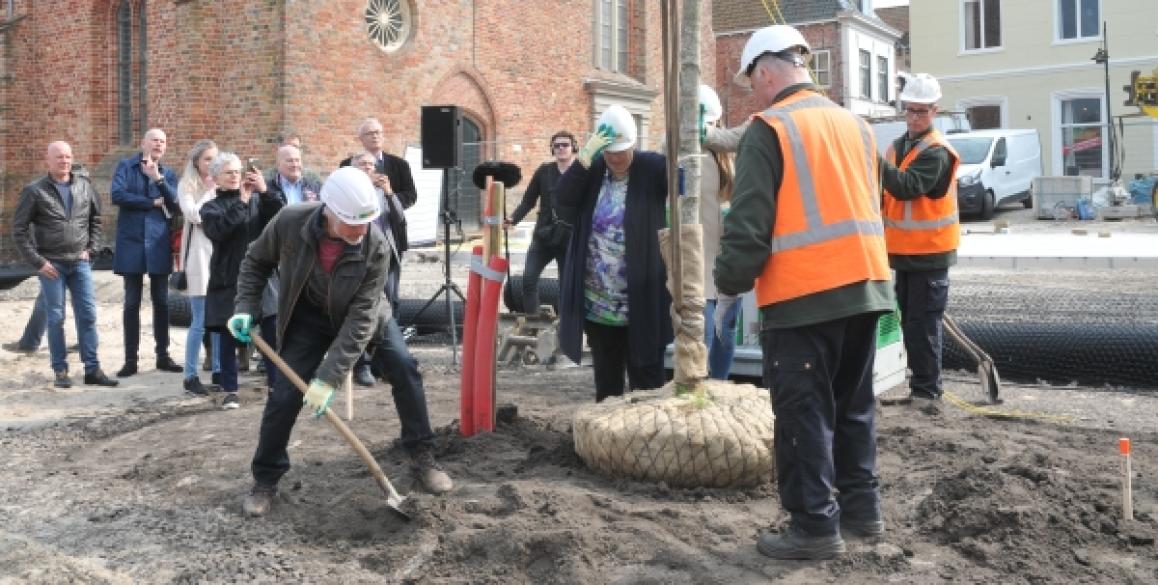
x=549 y=240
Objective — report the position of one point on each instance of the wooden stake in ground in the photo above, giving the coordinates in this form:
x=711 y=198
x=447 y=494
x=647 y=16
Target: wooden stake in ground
x=1127 y=480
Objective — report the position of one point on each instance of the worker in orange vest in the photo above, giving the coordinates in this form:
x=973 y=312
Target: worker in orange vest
x=922 y=231
x=805 y=229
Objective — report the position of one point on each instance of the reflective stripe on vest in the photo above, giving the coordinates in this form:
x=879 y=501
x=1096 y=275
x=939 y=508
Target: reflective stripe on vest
x=827 y=207
x=925 y=225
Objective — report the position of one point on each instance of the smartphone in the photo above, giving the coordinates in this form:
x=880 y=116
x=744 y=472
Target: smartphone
x=252 y=164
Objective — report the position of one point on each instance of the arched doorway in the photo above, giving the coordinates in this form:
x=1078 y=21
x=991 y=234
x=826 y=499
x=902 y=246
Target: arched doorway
x=464 y=195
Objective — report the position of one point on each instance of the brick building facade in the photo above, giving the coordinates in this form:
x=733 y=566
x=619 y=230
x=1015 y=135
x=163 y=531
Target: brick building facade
x=97 y=73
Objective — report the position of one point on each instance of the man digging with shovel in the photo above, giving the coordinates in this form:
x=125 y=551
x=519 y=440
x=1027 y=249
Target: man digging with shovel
x=333 y=265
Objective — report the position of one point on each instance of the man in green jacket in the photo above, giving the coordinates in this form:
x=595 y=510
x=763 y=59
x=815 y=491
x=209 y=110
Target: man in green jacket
x=332 y=263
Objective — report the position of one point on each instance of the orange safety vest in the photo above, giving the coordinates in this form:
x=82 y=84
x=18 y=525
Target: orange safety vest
x=923 y=225
x=828 y=230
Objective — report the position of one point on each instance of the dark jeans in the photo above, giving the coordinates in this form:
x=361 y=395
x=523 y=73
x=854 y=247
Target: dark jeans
x=269 y=336
x=611 y=357
x=307 y=339
x=821 y=378
x=227 y=354
x=159 y=294
x=539 y=255
x=922 y=297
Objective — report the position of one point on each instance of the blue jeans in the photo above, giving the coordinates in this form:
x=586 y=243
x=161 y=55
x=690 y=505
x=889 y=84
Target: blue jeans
x=77 y=278
x=34 y=330
x=194 y=337
x=720 y=353
x=159 y=294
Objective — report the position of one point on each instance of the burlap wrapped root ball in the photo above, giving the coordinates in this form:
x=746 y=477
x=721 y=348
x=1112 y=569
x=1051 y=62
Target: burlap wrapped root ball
x=654 y=435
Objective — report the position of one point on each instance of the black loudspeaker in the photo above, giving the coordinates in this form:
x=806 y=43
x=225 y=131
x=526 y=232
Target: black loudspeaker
x=441 y=137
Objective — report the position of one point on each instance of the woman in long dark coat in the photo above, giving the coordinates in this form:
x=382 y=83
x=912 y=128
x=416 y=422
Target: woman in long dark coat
x=232 y=220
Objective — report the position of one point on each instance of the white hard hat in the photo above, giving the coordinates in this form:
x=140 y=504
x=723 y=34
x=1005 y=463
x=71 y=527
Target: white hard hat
x=770 y=39
x=711 y=102
x=623 y=124
x=350 y=195
x=921 y=88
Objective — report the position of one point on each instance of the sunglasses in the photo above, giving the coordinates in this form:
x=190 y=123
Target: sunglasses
x=561 y=145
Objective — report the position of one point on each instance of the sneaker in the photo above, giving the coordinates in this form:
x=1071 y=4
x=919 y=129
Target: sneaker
x=15 y=347
x=363 y=377
x=230 y=401
x=430 y=473
x=865 y=529
x=98 y=378
x=62 y=380
x=127 y=370
x=166 y=364
x=259 y=500
x=794 y=544
x=193 y=386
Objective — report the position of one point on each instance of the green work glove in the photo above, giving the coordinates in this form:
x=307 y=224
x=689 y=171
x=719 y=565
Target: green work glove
x=702 y=125
x=318 y=396
x=595 y=145
x=239 y=326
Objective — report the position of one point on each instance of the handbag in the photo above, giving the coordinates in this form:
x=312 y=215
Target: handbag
x=178 y=280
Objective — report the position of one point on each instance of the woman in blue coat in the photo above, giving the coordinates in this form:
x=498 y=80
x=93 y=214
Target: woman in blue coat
x=613 y=287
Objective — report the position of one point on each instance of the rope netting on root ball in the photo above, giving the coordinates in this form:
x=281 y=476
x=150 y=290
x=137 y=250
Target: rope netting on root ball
x=722 y=440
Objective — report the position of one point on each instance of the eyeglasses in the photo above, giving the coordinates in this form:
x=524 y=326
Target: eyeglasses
x=917 y=112
x=558 y=145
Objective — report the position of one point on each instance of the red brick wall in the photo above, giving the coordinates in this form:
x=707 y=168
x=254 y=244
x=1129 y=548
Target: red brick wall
x=243 y=72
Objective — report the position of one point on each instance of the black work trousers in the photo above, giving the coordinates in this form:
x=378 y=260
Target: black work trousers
x=923 y=296
x=821 y=378
x=306 y=340
x=611 y=357
x=539 y=255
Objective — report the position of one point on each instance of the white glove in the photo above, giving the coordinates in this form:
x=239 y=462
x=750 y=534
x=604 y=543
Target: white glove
x=724 y=304
x=318 y=396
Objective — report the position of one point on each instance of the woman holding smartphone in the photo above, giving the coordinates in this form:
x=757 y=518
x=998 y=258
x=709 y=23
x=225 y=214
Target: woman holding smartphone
x=196 y=188
x=232 y=220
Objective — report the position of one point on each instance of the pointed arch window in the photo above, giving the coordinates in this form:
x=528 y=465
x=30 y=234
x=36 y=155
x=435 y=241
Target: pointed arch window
x=130 y=73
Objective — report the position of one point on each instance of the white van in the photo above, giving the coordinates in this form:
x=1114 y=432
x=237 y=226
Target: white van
x=887 y=130
x=997 y=167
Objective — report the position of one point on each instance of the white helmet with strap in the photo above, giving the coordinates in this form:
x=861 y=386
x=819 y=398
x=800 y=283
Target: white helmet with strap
x=921 y=88
x=350 y=195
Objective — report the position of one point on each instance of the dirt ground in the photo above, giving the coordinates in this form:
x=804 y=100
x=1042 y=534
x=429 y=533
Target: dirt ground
x=141 y=484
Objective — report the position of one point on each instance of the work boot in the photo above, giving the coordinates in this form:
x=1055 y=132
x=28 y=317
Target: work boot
x=129 y=369
x=61 y=380
x=429 y=472
x=166 y=364
x=925 y=404
x=98 y=378
x=363 y=376
x=867 y=529
x=259 y=500
x=15 y=347
x=193 y=386
x=794 y=544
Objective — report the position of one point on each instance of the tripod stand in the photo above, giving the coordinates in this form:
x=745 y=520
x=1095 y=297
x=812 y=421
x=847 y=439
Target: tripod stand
x=448 y=286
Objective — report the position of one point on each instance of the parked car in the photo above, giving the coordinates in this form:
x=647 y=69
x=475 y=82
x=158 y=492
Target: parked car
x=997 y=167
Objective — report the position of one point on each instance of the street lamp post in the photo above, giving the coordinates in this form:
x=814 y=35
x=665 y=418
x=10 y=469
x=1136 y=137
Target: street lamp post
x=1102 y=57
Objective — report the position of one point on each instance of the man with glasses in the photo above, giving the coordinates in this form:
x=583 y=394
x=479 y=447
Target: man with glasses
x=922 y=232
x=805 y=232
x=550 y=237
x=391 y=175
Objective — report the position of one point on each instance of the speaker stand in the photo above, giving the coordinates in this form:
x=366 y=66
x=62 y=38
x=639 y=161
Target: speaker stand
x=448 y=286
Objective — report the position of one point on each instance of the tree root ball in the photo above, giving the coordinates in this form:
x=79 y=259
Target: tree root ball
x=653 y=435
